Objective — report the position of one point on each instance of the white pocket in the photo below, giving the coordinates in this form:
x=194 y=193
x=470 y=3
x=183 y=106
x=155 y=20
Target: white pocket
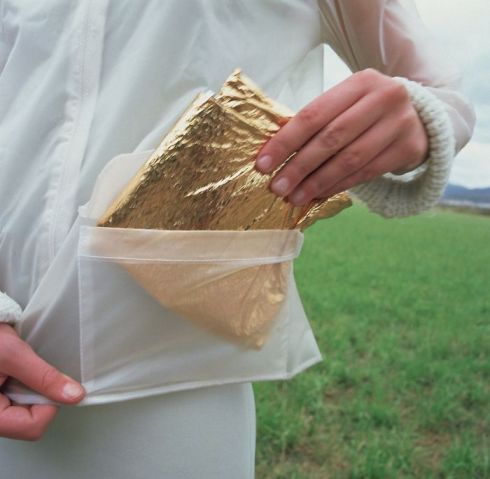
x=165 y=310
x=168 y=310
x=135 y=334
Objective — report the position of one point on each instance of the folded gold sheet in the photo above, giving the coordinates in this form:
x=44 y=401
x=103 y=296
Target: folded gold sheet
x=231 y=283
x=202 y=176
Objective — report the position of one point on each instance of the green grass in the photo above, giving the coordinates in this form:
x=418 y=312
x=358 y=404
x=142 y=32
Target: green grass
x=401 y=312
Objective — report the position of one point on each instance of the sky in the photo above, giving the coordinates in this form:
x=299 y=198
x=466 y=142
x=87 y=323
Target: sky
x=461 y=28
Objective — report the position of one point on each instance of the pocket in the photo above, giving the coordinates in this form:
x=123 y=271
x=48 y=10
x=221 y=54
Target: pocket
x=121 y=341
x=169 y=310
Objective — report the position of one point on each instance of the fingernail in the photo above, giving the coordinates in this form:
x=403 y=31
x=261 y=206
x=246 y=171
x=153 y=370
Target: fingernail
x=280 y=186
x=264 y=162
x=297 y=198
x=72 y=390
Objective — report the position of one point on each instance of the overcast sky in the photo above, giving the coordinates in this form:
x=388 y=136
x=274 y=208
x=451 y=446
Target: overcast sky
x=462 y=28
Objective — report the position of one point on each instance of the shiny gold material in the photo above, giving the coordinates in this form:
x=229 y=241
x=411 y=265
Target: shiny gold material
x=202 y=177
x=239 y=306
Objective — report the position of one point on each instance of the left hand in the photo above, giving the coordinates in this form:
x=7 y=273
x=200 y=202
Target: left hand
x=358 y=130
x=18 y=360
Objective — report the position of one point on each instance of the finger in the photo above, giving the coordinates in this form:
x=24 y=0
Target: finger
x=307 y=122
x=335 y=136
x=24 y=422
x=348 y=161
x=394 y=154
x=283 y=120
x=406 y=152
x=18 y=360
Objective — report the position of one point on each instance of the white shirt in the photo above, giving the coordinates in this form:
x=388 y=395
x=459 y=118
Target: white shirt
x=84 y=81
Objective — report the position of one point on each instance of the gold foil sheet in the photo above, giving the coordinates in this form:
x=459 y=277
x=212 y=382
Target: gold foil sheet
x=230 y=283
x=239 y=306
x=202 y=177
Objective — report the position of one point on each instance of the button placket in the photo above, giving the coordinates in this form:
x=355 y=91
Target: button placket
x=86 y=72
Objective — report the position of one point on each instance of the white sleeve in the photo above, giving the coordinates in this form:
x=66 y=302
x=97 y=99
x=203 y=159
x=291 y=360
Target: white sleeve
x=390 y=37
x=10 y=311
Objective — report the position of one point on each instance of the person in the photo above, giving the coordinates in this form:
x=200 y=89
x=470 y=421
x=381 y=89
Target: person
x=81 y=82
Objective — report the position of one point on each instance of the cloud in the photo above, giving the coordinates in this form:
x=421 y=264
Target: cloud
x=482 y=129
x=455 y=21
x=471 y=168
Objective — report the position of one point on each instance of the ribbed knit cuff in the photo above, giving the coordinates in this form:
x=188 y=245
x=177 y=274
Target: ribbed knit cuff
x=392 y=197
x=10 y=311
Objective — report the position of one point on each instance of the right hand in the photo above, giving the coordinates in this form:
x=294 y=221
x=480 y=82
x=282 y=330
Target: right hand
x=19 y=361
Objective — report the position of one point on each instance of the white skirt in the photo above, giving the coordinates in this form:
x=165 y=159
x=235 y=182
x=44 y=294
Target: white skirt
x=202 y=433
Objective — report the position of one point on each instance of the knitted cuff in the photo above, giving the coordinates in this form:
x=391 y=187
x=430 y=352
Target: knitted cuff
x=10 y=311
x=390 y=196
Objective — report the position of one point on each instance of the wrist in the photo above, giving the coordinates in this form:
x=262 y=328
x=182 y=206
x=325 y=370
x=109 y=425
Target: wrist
x=420 y=189
x=420 y=166
x=420 y=137
x=434 y=130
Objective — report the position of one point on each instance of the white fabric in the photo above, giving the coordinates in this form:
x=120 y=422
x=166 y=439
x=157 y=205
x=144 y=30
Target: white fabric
x=10 y=311
x=203 y=433
x=84 y=81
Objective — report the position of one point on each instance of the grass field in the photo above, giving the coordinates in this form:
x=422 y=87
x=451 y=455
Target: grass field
x=401 y=312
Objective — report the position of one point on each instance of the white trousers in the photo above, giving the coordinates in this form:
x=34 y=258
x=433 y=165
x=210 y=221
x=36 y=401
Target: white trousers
x=205 y=433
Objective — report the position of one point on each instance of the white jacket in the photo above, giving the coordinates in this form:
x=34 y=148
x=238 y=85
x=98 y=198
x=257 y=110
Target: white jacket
x=82 y=82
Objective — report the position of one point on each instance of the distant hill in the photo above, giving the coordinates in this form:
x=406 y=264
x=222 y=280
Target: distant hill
x=455 y=194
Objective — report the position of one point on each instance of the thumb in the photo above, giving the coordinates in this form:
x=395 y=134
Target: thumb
x=18 y=360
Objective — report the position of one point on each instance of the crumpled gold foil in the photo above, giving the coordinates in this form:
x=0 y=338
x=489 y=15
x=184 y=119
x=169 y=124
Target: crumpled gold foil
x=202 y=176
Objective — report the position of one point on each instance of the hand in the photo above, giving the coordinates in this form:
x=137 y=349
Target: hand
x=358 y=130
x=19 y=361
